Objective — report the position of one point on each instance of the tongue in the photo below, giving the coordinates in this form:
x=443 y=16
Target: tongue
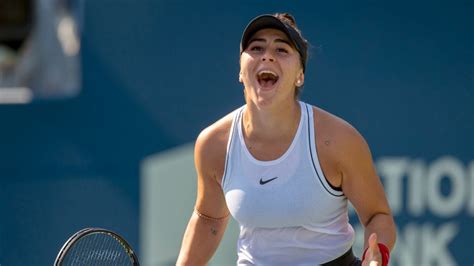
x=267 y=82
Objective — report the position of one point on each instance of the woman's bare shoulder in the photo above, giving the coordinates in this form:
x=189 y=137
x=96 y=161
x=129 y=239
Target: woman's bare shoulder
x=217 y=133
x=336 y=138
x=211 y=147
x=333 y=126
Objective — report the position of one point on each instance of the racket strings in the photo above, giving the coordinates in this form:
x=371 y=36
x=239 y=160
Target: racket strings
x=98 y=249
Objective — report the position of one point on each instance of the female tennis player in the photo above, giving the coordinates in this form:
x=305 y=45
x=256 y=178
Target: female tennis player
x=285 y=170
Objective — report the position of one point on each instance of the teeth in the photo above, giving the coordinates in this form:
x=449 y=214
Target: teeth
x=267 y=72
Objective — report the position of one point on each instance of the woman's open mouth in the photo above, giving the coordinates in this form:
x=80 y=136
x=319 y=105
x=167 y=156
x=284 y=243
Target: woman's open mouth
x=267 y=78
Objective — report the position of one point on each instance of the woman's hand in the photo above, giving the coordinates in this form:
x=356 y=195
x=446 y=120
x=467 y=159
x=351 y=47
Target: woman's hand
x=372 y=256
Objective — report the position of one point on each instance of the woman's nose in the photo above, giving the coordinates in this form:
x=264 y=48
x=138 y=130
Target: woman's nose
x=268 y=56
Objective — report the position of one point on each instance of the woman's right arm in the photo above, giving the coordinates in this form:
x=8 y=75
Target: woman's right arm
x=210 y=217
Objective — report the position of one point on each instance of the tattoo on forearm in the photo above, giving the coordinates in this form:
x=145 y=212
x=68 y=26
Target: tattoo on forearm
x=213 y=231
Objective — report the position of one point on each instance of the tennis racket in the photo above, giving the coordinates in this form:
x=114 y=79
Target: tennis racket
x=96 y=246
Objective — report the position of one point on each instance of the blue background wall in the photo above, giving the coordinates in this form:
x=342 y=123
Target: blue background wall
x=155 y=73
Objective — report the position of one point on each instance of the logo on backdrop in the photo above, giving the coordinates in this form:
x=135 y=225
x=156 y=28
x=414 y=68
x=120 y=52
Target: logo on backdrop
x=431 y=197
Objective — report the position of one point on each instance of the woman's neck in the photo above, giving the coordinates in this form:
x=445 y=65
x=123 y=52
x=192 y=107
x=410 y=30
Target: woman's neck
x=271 y=122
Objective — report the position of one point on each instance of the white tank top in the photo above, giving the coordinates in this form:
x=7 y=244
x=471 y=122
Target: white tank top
x=288 y=213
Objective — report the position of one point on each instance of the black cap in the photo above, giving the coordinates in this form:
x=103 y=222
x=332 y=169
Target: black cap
x=272 y=22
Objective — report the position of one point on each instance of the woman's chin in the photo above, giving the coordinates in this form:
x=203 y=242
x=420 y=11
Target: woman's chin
x=263 y=96
x=266 y=91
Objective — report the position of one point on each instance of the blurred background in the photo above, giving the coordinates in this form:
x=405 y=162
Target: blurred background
x=101 y=102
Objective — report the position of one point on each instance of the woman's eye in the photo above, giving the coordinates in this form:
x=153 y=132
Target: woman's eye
x=256 y=48
x=282 y=50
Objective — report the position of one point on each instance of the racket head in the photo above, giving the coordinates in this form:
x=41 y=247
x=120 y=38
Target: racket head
x=96 y=246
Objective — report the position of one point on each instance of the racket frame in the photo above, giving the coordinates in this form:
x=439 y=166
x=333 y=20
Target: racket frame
x=95 y=230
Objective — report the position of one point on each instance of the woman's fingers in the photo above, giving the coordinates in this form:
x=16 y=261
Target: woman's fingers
x=372 y=255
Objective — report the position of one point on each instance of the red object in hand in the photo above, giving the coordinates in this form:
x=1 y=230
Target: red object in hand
x=384 y=251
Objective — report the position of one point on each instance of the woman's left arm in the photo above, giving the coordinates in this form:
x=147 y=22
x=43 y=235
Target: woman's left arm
x=363 y=188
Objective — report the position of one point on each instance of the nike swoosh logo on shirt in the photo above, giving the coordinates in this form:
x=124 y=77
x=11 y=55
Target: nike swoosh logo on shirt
x=263 y=182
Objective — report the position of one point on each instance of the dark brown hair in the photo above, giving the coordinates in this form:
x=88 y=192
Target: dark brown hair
x=290 y=20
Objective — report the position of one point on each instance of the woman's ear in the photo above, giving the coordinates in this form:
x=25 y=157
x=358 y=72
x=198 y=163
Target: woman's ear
x=300 y=80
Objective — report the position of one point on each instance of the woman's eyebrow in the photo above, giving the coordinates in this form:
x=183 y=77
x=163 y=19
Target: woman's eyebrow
x=284 y=41
x=256 y=40
x=264 y=40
